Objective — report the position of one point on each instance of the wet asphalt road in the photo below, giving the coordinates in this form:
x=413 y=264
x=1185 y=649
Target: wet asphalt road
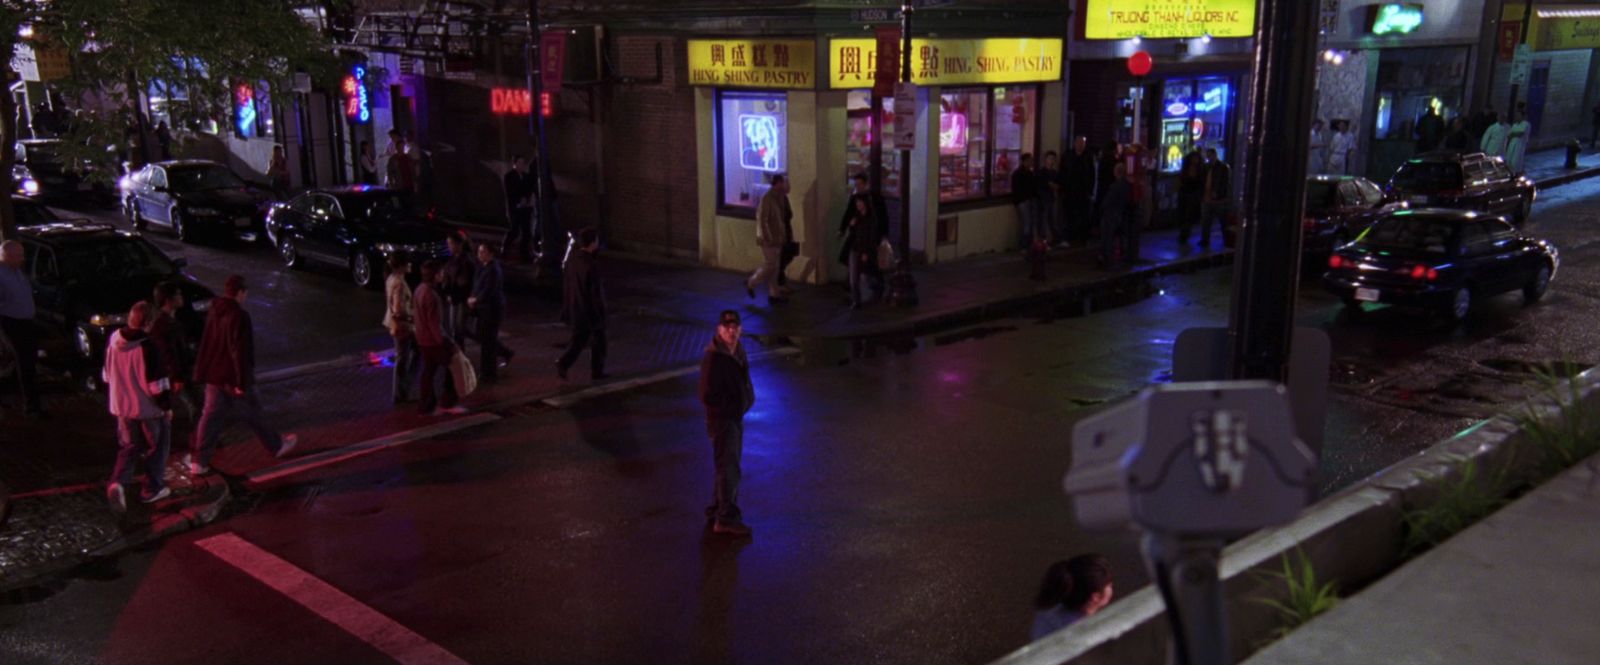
x=905 y=496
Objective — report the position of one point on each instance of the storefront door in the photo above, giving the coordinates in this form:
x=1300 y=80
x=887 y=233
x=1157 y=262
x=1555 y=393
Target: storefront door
x=1538 y=89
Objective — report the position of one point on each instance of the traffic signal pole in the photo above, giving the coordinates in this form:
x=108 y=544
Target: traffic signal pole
x=1267 y=267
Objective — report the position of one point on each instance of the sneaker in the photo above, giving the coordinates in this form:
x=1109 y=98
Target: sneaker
x=117 y=497
x=195 y=468
x=452 y=411
x=289 y=442
x=164 y=493
x=731 y=528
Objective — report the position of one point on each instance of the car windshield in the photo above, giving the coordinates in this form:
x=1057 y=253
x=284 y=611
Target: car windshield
x=375 y=207
x=1322 y=195
x=1428 y=176
x=33 y=214
x=119 y=259
x=200 y=178
x=1413 y=234
x=39 y=153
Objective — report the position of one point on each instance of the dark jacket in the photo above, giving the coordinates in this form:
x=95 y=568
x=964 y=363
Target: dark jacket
x=1048 y=177
x=868 y=241
x=725 y=387
x=167 y=334
x=488 y=286
x=1219 y=182
x=227 y=355
x=519 y=186
x=458 y=274
x=1024 y=185
x=1114 y=205
x=583 y=298
x=1078 y=176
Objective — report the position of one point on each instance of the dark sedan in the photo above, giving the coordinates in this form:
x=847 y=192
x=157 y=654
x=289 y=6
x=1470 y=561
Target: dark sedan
x=1463 y=181
x=1442 y=260
x=42 y=163
x=191 y=196
x=354 y=227
x=1339 y=208
x=85 y=279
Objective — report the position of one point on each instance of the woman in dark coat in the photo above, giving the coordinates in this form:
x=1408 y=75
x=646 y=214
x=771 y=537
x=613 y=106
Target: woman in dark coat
x=863 y=230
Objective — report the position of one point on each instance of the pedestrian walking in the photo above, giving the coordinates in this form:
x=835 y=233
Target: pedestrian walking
x=278 y=173
x=369 y=164
x=1319 y=147
x=727 y=394
x=1339 y=147
x=520 y=189
x=1072 y=590
x=1459 y=138
x=399 y=319
x=1050 y=200
x=172 y=341
x=1430 y=131
x=1025 y=195
x=138 y=393
x=1113 y=213
x=226 y=365
x=1192 y=192
x=1218 y=204
x=433 y=345
x=1078 y=177
x=17 y=314
x=1494 y=138
x=488 y=304
x=583 y=306
x=456 y=285
x=1517 y=141
x=772 y=221
x=860 y=187
x=862 y=231
x=164 y=140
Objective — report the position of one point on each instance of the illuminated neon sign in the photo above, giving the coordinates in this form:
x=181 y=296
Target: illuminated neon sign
x=1178 y=109
x=758 y=143
x=1213 y=99
x=244 y=109
x=510 y=101
x=356 y=108
x=952 y=133
x=1396 y=18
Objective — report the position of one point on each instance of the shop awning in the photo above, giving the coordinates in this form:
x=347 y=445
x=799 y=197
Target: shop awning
x=1556 y=27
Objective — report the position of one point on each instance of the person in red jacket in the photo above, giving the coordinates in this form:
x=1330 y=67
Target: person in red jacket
x=226 y=366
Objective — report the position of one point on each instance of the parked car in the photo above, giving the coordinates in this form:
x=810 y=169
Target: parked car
x=1463 y=181
x=356 y=227
x=41 y=160
x=192 y=195
x=1339 y=208
x=33 y=213
x=85 y=279
x=23 y=180
x=1438 y=259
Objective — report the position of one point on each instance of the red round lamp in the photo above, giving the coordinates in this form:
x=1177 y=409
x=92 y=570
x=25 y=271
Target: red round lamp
x=1139 y=63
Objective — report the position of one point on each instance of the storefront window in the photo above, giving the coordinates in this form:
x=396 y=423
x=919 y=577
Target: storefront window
x=753 y=144
x=1014 y=130
x=1194 y=116
x=963 y=144
x=858 y=150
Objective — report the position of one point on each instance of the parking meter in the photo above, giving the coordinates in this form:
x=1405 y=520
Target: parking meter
x=1192 y=464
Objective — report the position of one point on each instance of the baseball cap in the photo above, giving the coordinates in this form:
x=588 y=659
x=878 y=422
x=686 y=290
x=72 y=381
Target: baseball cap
x=728 y=318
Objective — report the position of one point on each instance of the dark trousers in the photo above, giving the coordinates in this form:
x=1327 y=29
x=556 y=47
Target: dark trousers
x=455 y=323
x=148 y=440
x=521 y=233
x=25 y=341
x=1217 y=212
x=405 y=360
x=727 y=447
x=490 y=348
x=1130 y=237
x=222 y=408
x=1111 y=221
x=1188 y=214
x=433 y=358
x=583 y=333
x=1080 y=218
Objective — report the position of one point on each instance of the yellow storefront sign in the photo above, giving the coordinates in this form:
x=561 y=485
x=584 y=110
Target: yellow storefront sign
x=789 y=64
x=1562 y=27
x=852 y=63
x=1123 y=19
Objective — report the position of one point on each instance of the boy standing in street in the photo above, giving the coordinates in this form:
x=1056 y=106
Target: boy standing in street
x=138 y=391
x=727 y=394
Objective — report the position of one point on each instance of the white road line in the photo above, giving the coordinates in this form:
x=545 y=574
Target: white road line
x=337 y=607
x=354 y=450
x=568 y=399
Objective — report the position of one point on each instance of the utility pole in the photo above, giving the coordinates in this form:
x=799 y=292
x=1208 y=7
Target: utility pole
x=1511 y=99
x=1266 y=271
x=549 y=266
x=902 y=286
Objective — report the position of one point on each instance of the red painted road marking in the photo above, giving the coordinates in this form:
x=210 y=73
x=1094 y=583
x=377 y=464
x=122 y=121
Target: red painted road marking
x=365 y=623
x=53 y=491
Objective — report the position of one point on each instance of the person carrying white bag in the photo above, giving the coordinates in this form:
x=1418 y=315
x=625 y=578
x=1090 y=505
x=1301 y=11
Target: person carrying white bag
x=437 y=350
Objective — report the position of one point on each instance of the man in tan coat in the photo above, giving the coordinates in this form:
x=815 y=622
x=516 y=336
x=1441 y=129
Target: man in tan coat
x=772 y=223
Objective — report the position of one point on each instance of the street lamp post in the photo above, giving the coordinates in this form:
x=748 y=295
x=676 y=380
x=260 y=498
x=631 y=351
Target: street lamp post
x=549 y=231
x=902 y=286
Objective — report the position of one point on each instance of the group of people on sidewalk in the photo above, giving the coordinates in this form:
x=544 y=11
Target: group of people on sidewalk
x=150 y=376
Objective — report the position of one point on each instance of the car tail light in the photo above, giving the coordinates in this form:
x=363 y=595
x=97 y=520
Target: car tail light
x=1336 y=261
x=1424 y=272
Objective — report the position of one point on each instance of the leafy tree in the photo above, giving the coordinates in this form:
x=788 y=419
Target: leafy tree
x=118 y=48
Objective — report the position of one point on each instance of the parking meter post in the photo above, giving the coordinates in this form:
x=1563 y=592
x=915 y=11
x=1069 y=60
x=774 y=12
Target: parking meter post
x=1185 y=571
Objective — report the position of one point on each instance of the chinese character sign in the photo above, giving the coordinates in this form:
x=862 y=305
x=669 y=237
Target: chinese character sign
x=357 y=109
x=1123 y=19
x=951 y=61
x=788 y=64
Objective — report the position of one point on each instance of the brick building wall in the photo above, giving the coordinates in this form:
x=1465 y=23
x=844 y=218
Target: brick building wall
x=648 y=149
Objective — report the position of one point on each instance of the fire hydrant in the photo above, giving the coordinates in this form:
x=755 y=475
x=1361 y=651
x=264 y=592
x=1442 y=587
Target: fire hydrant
x=1573 y=148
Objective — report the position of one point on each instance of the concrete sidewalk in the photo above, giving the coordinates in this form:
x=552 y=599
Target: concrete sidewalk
x=1522 y=586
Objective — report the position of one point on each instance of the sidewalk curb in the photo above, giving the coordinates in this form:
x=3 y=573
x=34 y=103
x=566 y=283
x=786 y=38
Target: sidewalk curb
x=1567 y=178
x=1351 y=539
x=164 y=525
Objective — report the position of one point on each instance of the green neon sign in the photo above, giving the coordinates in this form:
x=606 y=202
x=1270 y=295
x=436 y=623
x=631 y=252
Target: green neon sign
x=1396 y=18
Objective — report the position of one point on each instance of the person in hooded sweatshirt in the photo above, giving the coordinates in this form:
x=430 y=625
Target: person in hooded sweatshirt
x=139 y=396
x=226 y=364
x=727 y=394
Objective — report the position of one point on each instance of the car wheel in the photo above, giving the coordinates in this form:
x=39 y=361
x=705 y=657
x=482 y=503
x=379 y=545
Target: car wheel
x=1460 y=304
x=1535 y=289
x=181 y=229
x=289 y=253
x=1524 y=212
x=361 y=271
